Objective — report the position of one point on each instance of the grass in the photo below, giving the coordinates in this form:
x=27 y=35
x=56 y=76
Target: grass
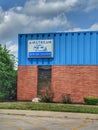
x=50 y=107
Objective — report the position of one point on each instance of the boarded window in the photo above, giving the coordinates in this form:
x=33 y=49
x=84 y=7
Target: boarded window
x=44 y=77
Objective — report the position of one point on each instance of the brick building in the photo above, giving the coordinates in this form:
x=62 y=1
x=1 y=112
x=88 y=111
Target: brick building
x=72 y=57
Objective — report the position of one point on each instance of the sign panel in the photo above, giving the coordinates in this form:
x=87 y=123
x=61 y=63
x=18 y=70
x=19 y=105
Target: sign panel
x=40 y=48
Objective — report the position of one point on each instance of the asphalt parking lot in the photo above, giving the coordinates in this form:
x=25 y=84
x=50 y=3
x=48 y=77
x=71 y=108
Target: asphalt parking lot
x=22 y=122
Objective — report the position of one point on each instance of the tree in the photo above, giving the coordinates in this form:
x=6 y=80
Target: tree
x=8 y=74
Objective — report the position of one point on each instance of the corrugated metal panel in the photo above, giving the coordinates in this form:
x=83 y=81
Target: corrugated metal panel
x=72 y=48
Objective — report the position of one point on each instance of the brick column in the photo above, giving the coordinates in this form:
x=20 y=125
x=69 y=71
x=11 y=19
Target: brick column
x=27 y=82
x=78 y=81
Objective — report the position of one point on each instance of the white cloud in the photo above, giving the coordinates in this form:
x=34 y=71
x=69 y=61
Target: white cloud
x=91 y=5
x=35 y=16
x=93 y=27
x=13 y=50
x=13 y=47
x=49 y=8
x=41 y=16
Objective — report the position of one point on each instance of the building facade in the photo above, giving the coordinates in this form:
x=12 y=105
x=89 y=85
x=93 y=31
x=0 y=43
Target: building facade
x=73 y=57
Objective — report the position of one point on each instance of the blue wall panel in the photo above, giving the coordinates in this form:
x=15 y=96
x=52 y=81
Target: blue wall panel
x=70 y=48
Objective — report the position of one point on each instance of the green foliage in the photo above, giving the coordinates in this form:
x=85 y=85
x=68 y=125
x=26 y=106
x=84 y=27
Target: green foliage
x=2 y=96
x=91 y=100
x=7 y=74
x=66 y=98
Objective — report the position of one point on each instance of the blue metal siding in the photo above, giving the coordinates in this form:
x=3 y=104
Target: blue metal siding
x=72 y=48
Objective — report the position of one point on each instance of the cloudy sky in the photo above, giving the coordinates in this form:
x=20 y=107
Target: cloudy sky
x=30 y=16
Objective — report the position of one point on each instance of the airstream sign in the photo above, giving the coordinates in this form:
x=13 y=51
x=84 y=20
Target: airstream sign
x=40 y=48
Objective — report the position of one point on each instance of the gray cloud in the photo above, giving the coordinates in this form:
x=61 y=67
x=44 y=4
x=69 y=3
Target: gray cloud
x=91 y=5
x=93 y=27
x=12 y=47
x=35 y=16
x=41 y=16
x=87 y=5
x=49 y=8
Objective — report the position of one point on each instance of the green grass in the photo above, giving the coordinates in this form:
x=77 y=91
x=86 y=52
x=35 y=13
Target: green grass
x=50 y=107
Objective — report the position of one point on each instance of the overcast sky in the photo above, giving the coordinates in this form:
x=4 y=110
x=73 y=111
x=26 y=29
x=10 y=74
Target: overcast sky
x=30 y=16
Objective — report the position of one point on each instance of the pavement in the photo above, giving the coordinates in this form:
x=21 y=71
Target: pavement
x=49 y=114
x=45 y=120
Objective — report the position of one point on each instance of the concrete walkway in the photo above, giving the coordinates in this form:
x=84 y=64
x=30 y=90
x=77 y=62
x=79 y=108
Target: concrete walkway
x=50 y=114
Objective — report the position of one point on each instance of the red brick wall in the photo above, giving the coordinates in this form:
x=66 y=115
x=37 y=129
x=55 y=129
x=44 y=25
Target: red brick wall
x=78 y=81
x=27 y=82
